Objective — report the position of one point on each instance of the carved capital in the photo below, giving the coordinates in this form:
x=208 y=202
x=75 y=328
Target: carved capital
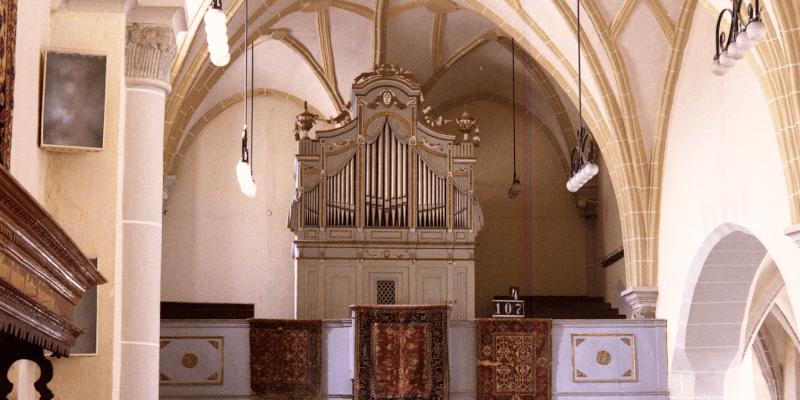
x=793 y=232
x=149 y=51
x=643 y=300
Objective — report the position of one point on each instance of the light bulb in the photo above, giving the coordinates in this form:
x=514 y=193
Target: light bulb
x=725 y=60
x=218 y=47
x=593 y=169
x=214 y=16
x=756 y=30
x=220 y=60
x=744 y=42
x=245 y=178
x=514 y=190
x=735 y=52
x=571 y=187
x=214 y=30
x=718 y=69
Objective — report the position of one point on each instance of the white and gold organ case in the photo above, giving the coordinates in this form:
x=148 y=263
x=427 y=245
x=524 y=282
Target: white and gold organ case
x=385 y=210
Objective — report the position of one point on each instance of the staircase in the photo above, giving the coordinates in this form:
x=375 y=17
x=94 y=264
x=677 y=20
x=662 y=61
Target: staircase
x=567 y=307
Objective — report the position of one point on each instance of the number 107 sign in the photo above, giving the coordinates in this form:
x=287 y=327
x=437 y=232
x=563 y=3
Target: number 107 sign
x=508 y=308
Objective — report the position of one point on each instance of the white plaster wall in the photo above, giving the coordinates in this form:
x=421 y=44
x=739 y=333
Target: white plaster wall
x=28 y=163
x=721 y=165
x=536 y=241
x=219 y=245
x=83 y=193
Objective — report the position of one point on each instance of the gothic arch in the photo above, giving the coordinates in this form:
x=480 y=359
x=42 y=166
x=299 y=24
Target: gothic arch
x=714 y=310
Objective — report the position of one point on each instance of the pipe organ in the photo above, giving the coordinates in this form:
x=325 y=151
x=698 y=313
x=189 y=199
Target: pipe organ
x=384 y=210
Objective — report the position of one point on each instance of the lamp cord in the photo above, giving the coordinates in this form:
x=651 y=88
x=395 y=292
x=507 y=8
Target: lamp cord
x=580 y=102
x=244 y=94
x=514 y=101
x=252 y=83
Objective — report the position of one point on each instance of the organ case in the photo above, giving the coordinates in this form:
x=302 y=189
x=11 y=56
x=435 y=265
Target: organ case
x=385 y=210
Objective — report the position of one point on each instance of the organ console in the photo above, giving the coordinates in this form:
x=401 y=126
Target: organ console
x=384 y=198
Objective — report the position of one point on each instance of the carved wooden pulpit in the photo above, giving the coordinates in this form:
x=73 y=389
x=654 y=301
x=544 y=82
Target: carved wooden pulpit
x=43 y=275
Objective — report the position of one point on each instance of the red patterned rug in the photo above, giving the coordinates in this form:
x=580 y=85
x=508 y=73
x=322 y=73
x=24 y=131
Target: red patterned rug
x=8 y=39
x=285 y=358
x=515 y=359
x=401 y=352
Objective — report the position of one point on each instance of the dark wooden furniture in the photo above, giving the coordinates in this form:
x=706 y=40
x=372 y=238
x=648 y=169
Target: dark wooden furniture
x=43 y=275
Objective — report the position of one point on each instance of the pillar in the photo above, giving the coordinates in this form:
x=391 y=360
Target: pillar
x=150 y=49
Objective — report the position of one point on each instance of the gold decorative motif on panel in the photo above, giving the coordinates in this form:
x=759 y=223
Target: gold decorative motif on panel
x=340 y=144
x=189 y=360
x=603 y=358
x=430 y=145
x=386 y=254
x=386 y=97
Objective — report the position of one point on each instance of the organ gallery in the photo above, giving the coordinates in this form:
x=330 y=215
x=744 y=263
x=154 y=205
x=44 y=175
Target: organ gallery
x=385 y=210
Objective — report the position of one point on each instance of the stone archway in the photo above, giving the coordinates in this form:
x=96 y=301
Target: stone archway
x=714 y=308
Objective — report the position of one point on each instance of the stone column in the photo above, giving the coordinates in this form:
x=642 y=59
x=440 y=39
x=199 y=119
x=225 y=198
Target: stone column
x=643 y=300
x=149 y=51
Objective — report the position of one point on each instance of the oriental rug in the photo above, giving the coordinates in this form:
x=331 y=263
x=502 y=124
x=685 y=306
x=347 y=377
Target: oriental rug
x=515 y=359
x=401 y=352
x=8 y=39
x=285 y=358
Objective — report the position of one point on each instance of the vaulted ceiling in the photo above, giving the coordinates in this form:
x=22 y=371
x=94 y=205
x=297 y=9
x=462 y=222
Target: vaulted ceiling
x=460 y=50
x=457 y=49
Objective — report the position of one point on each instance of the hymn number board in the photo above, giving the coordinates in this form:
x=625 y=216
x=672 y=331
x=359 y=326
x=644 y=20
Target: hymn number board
x=509 y=308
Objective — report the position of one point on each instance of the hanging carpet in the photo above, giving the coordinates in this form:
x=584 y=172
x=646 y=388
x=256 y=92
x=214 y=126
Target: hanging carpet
x=401 y=352
x=285 y=358
x=8 y=40
x=515 y=359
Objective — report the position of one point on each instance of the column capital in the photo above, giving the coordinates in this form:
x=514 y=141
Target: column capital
x=793 y=232
x=643 y=300
x=149 y=51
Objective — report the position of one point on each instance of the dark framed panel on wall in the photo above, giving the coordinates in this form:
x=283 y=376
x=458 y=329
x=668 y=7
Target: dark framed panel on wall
x=85 y=317
x=73 y=101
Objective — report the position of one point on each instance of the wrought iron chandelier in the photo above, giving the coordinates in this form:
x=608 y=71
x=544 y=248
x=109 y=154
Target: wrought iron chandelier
x=582 y=166
x=740 y=38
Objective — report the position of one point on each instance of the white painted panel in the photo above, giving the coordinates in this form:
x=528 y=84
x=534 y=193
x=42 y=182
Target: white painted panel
x=340 y=291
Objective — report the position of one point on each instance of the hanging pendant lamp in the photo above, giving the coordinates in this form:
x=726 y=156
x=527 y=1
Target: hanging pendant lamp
x=516 y=186
x=582 y=166
x=244 y=169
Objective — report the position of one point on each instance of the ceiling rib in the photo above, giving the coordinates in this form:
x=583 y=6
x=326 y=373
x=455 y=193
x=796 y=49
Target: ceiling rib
x=437 y=41
x=326 y=49
x=379 y=35
x=621 y=19
x=663 y=20
x=303 y=51
x=354 y=8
